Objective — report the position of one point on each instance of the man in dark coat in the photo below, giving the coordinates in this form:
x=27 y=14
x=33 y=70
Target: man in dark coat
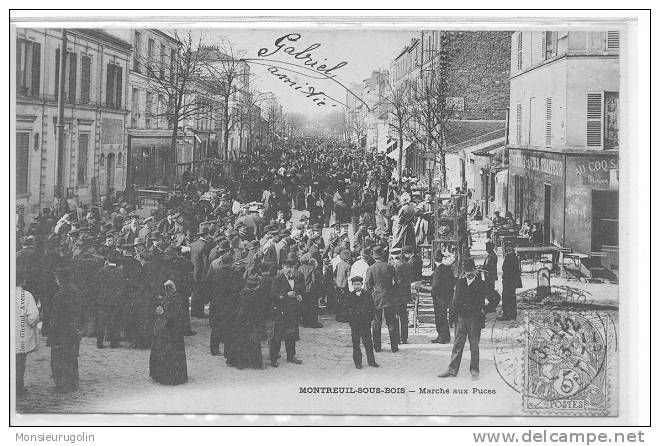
x=442 y=292
x=510 y=281
x=468 y=310
x=110 y=286
x=403 y=294
x=223 y=285
x=380 y=280
x=361 y=311
x=199 y=256
x=490 y=266
x=287 y=290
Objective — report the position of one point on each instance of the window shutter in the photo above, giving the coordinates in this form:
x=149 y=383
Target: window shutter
x=36 y=69
x=613 y=40
x=109 y=90
x=22 y=157
x=520 y=54
x=544 y=50
x=548 y=121
x=594 y=119
x=83 y=146
x=73 y=65
x=85 y=69
x=518 y=124
x=118 y=86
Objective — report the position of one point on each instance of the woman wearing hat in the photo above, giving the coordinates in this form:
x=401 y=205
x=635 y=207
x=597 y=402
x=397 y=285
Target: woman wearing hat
x=167 y=362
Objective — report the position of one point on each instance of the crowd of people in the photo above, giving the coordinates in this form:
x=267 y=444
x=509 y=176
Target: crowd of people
x=231 y=244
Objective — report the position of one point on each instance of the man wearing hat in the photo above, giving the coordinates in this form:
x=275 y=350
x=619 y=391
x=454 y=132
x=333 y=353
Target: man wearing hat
x=167 y=224
x=199 y=256
x=156 y=245
x=380 y=280
x=361 y=265
x=147 y=226
x=268 y=248
x=288 y=288
x=110 y=287
x=361 y=311
x=442 y=292
x=468 y=309
x=282 y=246
x=402 y=290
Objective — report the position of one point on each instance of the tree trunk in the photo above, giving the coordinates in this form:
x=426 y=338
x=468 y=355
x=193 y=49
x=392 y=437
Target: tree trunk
x=399 y=166
x=173 y=145
x=225 y=129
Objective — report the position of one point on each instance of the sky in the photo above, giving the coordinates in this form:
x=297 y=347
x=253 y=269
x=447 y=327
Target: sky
x=362 y=51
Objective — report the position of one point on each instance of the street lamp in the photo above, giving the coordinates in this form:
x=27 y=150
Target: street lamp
x=429 y=161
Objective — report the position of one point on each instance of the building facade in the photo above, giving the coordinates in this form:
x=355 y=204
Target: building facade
x=564 y=136
x=476 y=68
x=93 y=161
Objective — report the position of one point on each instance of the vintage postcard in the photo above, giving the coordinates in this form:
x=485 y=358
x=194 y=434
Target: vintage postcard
x=317 y=218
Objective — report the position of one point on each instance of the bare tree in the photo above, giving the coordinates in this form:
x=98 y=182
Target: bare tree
x=429 y=107
x=226 y=76
x=395 y=100
x=356 y=126
x=174 y=81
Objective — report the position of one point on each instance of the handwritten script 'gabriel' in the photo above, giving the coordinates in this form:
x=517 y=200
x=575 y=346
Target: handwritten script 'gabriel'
x=303 y=55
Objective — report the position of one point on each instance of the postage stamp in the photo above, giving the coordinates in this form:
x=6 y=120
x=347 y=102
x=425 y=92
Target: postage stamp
x=570 y=363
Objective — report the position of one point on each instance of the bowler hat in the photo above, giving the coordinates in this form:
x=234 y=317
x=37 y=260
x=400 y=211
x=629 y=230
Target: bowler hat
x=357 y=279
x=378 y=253
x=468 y=265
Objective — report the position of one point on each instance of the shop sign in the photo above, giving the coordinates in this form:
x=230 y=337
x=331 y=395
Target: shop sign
x=598 y=172
x=536 y=163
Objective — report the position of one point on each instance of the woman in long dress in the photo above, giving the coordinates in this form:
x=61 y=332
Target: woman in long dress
x=167 y=363
x=404 y=232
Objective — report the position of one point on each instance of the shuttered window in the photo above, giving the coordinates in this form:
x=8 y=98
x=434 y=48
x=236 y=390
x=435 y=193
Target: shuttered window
x=548 y=44
x=595 y=119
x=72 y=66
x=520 y=53
x=613 y=40
x=22 y=157
x=85 y=78
x=113 y=92
x=28 y=68
x=83 y=149
x=518 y=124
x=548 y=121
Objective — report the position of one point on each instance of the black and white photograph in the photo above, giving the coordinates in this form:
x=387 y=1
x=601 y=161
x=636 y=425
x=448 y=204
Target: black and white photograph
x=319 y=218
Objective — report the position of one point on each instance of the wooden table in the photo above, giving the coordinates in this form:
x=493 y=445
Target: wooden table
x=525 y=252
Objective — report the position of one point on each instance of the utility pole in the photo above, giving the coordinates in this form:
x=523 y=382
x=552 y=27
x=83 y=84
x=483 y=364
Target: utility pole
x=59 y=188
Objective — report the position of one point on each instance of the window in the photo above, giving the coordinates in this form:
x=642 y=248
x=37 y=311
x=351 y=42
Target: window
x=135 y=107
x=85 y=78
x=520 y=53
x=612 y=40
x=83 y=148
x=149 y=108
x=548 y=121
x=611 y=115
x=22 y=159
x=594 y=119
x=518 y=124
x=28 y=68
x=549 y=44
x=113 y=91
x=136 y=52
x=150 y=55
x=172 y=64
x=70 y=65
x=162 y=64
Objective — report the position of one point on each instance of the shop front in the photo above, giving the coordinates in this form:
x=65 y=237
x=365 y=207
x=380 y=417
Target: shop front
x=572 y=196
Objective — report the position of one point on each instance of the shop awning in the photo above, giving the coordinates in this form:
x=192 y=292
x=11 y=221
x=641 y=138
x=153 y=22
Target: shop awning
x=394 y=154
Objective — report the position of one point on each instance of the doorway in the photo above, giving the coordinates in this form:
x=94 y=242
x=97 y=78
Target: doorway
x=546 y=213
x=605 y=219
x=110 y=174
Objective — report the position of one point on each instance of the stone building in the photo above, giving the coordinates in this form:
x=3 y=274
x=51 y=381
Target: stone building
x=564 y=137
x=92 y=164
x=476 y=66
